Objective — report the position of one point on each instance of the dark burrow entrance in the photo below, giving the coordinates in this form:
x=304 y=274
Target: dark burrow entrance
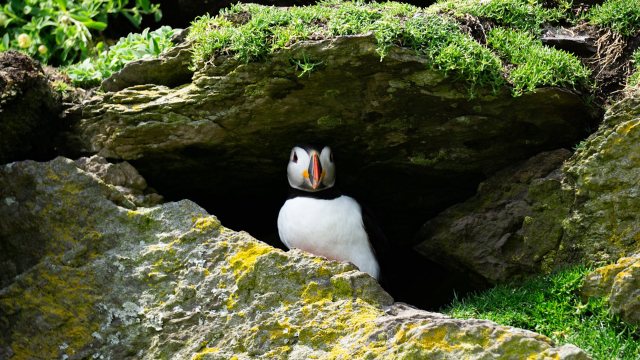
x=249 y=198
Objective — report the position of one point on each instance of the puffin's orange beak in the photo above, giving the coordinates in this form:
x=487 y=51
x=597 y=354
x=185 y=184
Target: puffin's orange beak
x=315 y=171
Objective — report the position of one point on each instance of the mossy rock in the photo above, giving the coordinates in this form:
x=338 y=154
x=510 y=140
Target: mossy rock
x=169 y=281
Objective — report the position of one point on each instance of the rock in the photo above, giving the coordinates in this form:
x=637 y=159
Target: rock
x=169 y=281
x=394 y=124
x=509 y=228
x=586 y=211
x=29 y=109
x=170 y=69
x=604 y=223
x=581 y=41
x=620 y=284
x=25 y=237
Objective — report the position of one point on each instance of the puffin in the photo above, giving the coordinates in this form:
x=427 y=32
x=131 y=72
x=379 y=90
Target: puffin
x=319 y=219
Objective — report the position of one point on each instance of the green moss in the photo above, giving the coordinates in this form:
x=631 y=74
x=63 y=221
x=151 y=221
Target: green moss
x=525 y=15
x=536 y=65
x=551 y=306
x=621 y=16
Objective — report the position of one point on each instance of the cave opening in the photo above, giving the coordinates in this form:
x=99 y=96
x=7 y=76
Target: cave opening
x=246 y=193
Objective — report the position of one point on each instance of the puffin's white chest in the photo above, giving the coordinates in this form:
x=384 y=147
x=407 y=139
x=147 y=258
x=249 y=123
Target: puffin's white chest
x=329 y=228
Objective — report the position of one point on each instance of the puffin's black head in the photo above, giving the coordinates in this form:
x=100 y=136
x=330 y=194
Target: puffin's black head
x=310 y=169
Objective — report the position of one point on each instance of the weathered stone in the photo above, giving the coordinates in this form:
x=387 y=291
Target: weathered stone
x=171 y=282
x=508 y=228
x=29 y=109
x=393 y=123
x=169 y=69
x=620 y=284
x=586 y=211
x=24 y=223
x=604 y=224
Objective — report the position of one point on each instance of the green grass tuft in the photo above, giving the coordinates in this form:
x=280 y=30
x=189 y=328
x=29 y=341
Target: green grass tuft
x=621 y=16
x=536 y=65
x=525 y=15
x=252 y=32
x=147 y=44
x=551 y=306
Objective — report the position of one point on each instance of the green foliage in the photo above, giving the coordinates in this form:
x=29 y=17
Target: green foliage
x=634 y=79
x=525 y=15
x=622 y=16
x=551 y=306
x=61 y=31
x=147 y=44
x=536 y=65
x=251 y=32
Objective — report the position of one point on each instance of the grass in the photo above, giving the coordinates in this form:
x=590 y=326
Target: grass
x=525 y=15
x=252 y=32
x=550 y=305
x=264 y=30
x=634 y=78
x=147 y=44
x=536 y=65
x=621 y=16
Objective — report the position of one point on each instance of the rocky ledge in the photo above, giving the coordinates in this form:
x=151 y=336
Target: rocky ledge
x=109 y=277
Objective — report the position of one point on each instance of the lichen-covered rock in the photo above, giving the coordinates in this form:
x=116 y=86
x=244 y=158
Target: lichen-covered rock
x=620 y=284
x=509 y=227
x=29 y=109
x=170 y=281
x=604 y=224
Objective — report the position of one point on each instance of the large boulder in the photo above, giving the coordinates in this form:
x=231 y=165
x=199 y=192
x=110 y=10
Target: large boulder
x=395 y=124
x=116 y=280
x=582 y=211
x=29 y=109
x=619 y=283
x=509 y=228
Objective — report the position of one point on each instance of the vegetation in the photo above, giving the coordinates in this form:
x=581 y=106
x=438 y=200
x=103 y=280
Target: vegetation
x=536 y=65
x=147 y=44
x=551 y=306
x=622 y=16
x=61 y=31
x=634 y=79
x=525 y=15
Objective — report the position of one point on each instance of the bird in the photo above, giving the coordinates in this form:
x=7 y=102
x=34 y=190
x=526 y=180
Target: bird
x=319 y=219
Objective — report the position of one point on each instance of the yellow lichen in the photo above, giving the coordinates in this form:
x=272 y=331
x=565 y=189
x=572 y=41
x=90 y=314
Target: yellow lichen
x=206 y=223
x=247 y=256
x=63 y=299
x=202 y=353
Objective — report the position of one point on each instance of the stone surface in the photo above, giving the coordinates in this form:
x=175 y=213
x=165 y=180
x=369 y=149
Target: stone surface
x=620 y=284
x=29 y=109
x=508 y=228
x=604 y=224
x=170 y=281
x=170 y=69
x=394 y=124
x=584 y=211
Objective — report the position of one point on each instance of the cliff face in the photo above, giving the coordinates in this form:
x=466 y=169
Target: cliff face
x=112 y=279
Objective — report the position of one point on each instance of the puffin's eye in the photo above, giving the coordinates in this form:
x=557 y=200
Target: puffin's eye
x=294 y=157
x=331 y=157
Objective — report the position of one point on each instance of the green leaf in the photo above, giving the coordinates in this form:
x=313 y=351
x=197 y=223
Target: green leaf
x=62 y=4
x=95 y=25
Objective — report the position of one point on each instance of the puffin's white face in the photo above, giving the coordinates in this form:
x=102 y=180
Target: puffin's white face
x=310 y=170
